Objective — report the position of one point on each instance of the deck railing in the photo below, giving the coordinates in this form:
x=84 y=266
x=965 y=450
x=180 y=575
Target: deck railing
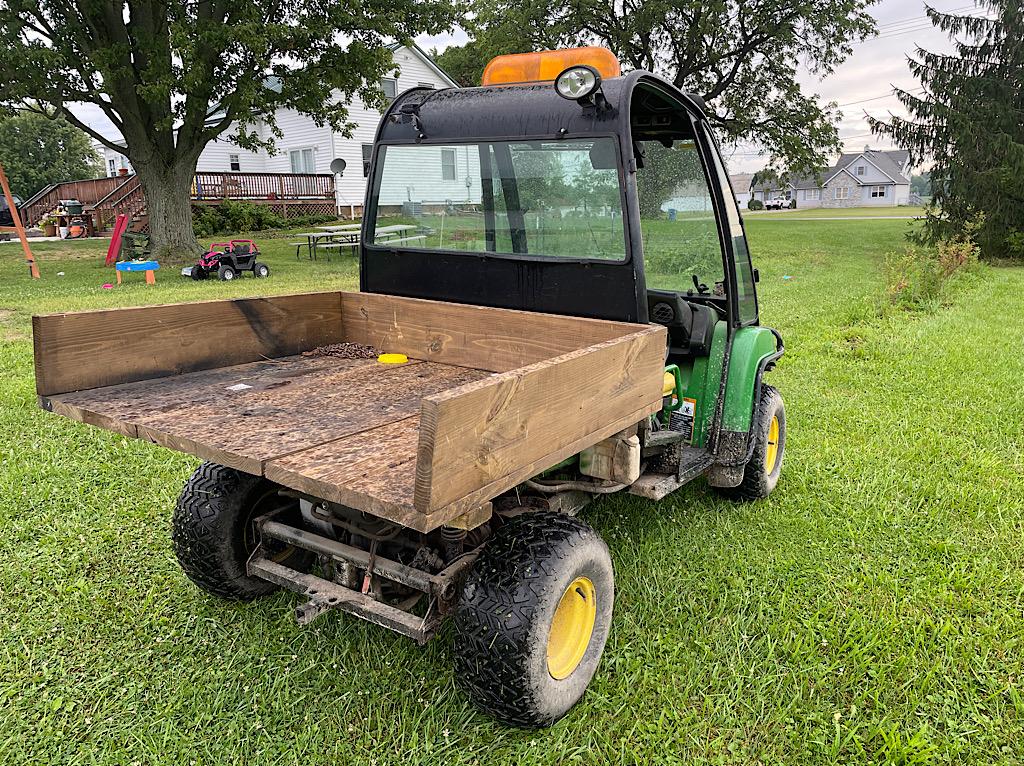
x=263 y=186
x=88 y=191
x=108 y=198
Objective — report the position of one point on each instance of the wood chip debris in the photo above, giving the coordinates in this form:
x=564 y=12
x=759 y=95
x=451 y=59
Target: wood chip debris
x=344 y=351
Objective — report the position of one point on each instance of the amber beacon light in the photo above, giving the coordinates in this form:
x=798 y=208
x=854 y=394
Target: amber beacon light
x=545 y=66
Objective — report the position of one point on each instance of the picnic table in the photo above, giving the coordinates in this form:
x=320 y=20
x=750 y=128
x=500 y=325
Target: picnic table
x=312 y=239
x=396 y=233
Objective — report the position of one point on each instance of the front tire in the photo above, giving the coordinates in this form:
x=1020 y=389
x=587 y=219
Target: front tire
x=762 y=471
x=261 y=270
x=213 y=531
x=533 y=619
x=226 y=273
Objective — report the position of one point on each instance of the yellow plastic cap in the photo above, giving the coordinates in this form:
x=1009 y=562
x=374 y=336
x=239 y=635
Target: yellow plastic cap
x=392 y=359
x=545 y=66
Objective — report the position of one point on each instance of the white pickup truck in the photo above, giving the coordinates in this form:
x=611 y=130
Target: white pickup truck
x=776 y=203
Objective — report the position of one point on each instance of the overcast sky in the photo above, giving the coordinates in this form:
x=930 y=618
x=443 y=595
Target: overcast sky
x=862 y=84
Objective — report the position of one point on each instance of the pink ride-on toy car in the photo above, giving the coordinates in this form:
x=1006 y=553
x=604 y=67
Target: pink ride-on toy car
x=229 y=259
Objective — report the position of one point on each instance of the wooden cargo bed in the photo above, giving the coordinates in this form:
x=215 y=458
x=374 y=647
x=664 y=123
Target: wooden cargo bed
x=488 y=398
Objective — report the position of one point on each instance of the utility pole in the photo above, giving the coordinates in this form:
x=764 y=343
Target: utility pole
x=33 y=269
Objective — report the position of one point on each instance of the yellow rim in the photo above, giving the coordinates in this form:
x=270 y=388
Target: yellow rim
x=572 y=627
x=771 y=452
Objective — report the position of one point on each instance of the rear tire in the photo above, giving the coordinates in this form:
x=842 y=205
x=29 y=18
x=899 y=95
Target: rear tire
x=226 y=273
x=213 y=532
x=762 y=471
x=513 y=658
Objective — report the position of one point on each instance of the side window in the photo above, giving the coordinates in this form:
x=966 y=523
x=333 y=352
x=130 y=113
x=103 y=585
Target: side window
x=390 y=87
x=677 y=219
x=234 y=162
x=746 y=294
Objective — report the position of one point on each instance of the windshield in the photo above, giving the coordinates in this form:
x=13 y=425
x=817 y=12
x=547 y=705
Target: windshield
x=555 y=199
x=682 y=250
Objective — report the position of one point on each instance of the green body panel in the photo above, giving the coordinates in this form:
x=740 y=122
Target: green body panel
x=702 y=380
x=750 y=346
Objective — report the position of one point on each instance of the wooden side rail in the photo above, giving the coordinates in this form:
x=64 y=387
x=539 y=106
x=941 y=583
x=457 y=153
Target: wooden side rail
x=486 y=437
x=90 y=349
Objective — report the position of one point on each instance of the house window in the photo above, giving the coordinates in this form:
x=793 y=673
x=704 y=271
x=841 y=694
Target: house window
x=447 y=164
x=367 y=156
x=390 y=87
x=234 y=162
x=861 y=170
x=841 y=192
x=812 y=194
x=877 y=191
x=302 y=160
x=112 y=164
x=426 y=85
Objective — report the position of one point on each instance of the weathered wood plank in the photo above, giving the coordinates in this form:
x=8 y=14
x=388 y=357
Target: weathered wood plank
x=373 y=470
x=468 y=502
x=470 y=336
x=485 y=434
x=90 y=349
x=245 y=415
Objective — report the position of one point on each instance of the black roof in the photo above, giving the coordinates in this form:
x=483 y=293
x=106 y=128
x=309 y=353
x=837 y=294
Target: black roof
x=518 y=111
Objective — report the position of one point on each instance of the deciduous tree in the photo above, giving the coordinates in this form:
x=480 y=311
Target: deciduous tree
x=741 y=56
x=173 y=76
x=36 y=152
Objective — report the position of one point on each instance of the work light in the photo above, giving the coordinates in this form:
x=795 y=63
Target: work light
x=578 y=83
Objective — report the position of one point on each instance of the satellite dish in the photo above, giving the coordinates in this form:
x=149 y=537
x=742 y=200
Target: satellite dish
x=338 y=166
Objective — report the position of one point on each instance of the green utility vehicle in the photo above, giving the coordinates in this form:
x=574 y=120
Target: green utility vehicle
x=556 y=303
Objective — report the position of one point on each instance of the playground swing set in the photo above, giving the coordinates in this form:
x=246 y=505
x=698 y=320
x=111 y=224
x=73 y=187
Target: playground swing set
x=17 y=226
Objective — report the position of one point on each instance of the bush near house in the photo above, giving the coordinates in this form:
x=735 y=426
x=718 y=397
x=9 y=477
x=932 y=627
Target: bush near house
x=231 y=216
x=755 y=204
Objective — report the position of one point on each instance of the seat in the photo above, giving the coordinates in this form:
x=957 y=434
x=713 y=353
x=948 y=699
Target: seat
x=691 y=326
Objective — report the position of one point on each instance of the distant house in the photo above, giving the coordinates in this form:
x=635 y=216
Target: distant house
x=869 y=178
x=741 y=187
x=306 y=147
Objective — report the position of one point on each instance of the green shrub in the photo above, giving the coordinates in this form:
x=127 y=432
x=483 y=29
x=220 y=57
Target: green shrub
x=915 y=277
x=230 y=217
x=755 y=204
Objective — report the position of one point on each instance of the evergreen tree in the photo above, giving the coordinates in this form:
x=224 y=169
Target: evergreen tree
x=969 y=123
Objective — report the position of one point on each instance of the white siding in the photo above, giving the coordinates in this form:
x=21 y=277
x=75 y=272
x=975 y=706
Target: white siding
x=216 y=157
x=413 y=70
x=414 y=174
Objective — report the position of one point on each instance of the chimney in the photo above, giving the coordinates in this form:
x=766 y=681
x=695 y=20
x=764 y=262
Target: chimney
x=866 y=148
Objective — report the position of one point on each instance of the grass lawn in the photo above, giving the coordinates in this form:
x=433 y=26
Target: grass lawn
x=870 y=611
x=840 y=212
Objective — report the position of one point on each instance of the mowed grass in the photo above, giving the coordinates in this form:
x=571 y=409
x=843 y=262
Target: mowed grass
x=870 y=611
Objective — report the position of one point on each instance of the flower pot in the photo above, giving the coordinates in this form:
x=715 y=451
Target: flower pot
x=50 y=230
x=122 y=171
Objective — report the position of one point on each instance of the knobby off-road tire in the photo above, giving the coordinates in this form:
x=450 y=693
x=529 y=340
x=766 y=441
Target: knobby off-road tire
x=505 y=615
x=760 y=478
x=213 y=533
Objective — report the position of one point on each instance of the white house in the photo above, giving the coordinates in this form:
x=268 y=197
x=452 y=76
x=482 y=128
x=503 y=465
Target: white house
x=869 y=178
x=308 y=148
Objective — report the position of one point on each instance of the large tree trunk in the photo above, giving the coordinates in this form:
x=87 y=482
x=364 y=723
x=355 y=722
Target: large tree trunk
x=168 y=193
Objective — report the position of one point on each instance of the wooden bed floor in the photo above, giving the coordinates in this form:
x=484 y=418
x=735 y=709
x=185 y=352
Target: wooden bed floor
x=342 y=429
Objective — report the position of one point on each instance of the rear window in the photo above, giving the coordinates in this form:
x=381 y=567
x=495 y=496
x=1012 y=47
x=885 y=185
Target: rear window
x=550 y=199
